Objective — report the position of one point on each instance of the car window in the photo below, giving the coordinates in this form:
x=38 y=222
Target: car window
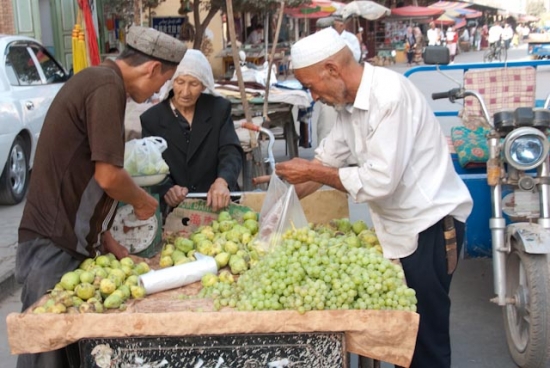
x=53 y=72
x=23 y=65
x=12 y=78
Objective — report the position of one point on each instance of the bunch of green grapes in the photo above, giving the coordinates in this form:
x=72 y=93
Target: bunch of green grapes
x=316 y=270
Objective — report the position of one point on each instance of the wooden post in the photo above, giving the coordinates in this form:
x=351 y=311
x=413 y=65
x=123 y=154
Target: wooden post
x=271 y=57
x=235 y=52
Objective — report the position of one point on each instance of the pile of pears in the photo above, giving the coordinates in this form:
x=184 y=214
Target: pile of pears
x=98 y=284
x=228 y=240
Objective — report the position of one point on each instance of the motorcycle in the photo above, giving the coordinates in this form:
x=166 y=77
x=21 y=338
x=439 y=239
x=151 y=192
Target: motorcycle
x=520 y=224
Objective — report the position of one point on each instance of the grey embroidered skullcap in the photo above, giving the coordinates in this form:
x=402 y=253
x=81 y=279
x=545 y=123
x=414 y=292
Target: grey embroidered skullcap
x=324 y=22
x=316 y=48
x=155 y=43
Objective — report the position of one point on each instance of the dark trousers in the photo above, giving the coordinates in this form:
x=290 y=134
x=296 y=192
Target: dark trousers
x=39 y=265
x=410 y=56
x=426 y=272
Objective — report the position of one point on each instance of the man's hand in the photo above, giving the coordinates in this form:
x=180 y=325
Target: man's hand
x=308 y=175
x=175 y=195
x=110 y=245
x=146 y=209
x=218 y=196
x=294 y=171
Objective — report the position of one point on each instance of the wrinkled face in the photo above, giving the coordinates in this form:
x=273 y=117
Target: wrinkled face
x=323 y=87
x=150 y=82
x=187 y=90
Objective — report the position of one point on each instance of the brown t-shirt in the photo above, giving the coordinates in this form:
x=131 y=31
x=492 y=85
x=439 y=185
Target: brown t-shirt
x=84 y=124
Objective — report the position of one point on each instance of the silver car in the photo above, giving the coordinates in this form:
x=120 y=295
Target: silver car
x=30 y=78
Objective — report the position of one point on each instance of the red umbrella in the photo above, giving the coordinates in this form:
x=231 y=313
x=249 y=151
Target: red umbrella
x=416 y=11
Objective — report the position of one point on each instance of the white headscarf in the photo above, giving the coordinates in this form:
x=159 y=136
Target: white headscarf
x=195 y=64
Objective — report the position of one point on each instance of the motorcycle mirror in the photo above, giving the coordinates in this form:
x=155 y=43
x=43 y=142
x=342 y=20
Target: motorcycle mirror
x=436 y=55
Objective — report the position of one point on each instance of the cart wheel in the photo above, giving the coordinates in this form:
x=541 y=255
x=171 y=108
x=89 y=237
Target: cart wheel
x=527 y=321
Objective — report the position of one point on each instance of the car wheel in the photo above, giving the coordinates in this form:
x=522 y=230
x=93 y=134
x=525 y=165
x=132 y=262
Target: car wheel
x=15 y=177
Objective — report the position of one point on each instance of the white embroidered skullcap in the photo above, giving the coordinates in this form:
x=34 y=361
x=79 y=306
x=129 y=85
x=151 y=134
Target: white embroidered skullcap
x=316 y=48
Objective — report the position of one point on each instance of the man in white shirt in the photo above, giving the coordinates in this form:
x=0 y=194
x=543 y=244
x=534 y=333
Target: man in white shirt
x=387 y=149
x=507 y=35
x=350 y=38
x=495 y=33
x=433 y=35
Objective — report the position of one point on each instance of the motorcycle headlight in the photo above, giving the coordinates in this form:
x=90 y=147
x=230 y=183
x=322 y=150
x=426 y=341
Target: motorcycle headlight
x=525 y=148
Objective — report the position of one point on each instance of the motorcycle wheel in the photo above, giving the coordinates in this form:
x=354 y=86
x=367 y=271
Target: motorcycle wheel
x=527 y=321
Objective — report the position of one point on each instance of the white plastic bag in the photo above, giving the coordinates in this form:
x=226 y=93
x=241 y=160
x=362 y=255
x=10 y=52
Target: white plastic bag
x=280 y=211
x=258 y=75
x=144 y=156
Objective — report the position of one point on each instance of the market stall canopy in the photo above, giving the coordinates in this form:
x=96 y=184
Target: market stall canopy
x=416 y=11
x=315 y=9
x=448 y=5
x=469 y=13
x=366 y=9
x=458 y=8
x=528 y=18
x=446 y=19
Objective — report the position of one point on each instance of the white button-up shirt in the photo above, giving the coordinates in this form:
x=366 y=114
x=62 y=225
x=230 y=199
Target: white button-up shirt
x=403 y=166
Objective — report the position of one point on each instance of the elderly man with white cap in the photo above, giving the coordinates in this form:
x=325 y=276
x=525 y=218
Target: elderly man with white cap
x=78 y=174
x=327 y=114
x=387 y=150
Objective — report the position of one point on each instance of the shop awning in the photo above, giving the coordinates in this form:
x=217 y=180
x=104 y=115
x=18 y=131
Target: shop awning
x=416 y=11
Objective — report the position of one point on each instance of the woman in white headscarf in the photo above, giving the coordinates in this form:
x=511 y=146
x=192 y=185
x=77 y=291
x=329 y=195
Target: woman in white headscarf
x=204 y=154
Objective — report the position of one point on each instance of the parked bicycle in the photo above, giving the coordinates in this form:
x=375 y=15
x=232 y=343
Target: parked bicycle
x=496 y=51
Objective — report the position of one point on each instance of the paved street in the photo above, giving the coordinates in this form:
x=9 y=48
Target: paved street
x=477 y=329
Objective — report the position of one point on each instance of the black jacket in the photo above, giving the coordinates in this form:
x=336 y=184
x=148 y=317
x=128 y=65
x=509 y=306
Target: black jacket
x=214 y=148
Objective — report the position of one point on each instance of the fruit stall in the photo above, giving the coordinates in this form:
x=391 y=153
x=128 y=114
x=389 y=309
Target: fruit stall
x=307 y=298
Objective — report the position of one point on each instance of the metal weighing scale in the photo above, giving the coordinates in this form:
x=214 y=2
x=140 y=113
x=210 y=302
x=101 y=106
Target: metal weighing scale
x=142 y=238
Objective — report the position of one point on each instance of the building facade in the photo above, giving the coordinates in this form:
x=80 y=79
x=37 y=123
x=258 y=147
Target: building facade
x=7 y=25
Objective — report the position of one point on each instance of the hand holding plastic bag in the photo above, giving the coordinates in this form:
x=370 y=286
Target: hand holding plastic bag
x=144 y=156
x=280 y=211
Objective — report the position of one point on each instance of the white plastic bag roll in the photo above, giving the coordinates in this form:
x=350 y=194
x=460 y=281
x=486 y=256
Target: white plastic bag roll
x=178 y=276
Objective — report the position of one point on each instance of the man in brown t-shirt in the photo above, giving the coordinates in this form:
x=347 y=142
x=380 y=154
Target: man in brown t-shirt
x=78 y=176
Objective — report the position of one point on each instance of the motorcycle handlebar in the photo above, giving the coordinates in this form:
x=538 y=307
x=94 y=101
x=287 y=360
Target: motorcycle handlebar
x=440 y=95
x=458 y=94
x=452 y=94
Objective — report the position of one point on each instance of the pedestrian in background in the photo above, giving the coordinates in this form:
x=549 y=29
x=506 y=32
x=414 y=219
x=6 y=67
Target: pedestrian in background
x=434 y=35
x=419 y=49
x=452 y=39
x=410 y=45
